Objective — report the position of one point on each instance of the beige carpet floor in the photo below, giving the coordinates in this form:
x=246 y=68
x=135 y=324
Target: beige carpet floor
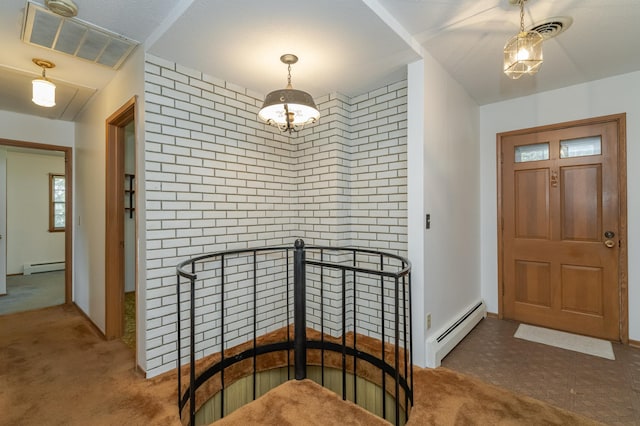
x=443 y=397
x=301 y=403
x=55 y=369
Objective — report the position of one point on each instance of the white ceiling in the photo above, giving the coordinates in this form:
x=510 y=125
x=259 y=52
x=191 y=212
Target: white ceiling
x=347 y=46
x=341 y=44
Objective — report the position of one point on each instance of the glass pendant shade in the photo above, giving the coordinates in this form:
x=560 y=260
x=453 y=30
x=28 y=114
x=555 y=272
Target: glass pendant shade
x=44 y=93
x=523 y=54
x=289 y=109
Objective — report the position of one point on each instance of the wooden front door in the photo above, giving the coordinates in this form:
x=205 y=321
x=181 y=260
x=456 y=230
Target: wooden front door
x=561 y=228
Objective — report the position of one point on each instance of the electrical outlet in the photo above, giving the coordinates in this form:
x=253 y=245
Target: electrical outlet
x=428 y=321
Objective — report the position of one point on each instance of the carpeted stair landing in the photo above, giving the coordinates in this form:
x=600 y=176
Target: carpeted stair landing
x=443 y=397
x=55 y=369
x=301 y=402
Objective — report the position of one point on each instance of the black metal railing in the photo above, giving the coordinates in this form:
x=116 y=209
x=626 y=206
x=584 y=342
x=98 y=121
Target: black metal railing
x=353 y=302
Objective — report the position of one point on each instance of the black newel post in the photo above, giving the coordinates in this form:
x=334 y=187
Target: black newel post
x=299 y=311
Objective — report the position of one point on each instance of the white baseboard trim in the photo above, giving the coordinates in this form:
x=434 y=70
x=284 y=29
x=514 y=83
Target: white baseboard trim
x=442 y=342
x=34 y=268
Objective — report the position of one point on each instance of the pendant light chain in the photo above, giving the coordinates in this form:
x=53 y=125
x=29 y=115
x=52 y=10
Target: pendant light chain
x=522 y=15
x=289 y=75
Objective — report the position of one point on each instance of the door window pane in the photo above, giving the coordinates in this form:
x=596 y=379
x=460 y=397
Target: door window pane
x=580 y=147
x=534 y=152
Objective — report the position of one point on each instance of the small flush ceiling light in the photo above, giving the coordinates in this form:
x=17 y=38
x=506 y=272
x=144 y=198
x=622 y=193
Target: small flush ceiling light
x=523 y=52
x=289 y=109
x=44 y=91
x=65 y=8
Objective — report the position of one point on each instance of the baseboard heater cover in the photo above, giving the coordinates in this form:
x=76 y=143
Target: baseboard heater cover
x=34 y=268
x=439 y=345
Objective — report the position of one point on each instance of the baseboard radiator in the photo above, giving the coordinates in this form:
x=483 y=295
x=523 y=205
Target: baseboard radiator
x=446 y=339
x=34 y=268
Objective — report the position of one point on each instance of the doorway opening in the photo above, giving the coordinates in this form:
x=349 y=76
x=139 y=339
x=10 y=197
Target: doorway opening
x=37 y=237
x=121 y=230
x=562 y=234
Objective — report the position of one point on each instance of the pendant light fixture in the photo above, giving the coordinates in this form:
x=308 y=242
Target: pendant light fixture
x=289 y=109
x=44 y=91
x=523 y=52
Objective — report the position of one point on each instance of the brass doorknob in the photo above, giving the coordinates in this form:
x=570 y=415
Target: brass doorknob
x=609 y=243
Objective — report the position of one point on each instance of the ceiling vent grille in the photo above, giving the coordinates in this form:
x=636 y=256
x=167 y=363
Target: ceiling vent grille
x=75 y=37
x=552 y=27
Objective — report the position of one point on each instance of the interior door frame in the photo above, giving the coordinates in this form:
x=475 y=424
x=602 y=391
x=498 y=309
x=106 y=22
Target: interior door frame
x=623 y=280
x=68 y=214
x=3 y=222
x=114 y=214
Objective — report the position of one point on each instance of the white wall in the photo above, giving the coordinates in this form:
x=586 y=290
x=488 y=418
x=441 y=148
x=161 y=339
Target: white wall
x=28 y=236
x=450 y=172
x=614 y=95
x=415 y=204
x=89 y=235
x=29 y=128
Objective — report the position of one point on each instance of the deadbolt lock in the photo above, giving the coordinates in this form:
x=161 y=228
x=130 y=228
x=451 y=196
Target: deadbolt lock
x=609 y=234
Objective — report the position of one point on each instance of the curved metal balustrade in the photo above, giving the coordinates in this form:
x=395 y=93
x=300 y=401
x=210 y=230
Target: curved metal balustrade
x=318 y=306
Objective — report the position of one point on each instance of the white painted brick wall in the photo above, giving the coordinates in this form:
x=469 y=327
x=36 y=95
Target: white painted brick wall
x=218 y=179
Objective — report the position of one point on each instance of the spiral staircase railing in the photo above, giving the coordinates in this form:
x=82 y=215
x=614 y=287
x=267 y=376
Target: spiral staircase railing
x=337 y=292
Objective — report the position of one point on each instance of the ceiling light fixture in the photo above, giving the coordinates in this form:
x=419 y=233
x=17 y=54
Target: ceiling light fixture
x=289 y=109
x=65 y=8
x=523 y=52
x=44 y=91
